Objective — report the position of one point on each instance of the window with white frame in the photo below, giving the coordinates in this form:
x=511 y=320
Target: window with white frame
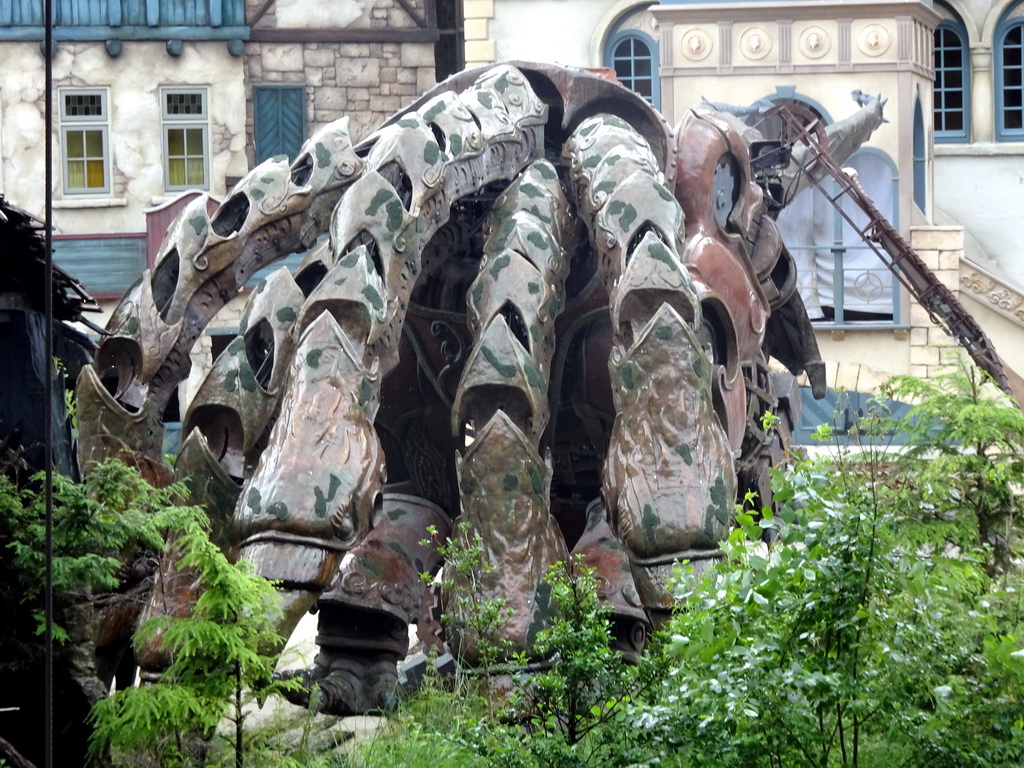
x=185 y=114
x=840 y=279
x=84 y=119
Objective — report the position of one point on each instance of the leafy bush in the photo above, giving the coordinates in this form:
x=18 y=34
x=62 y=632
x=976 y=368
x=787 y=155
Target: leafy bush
x=964 y=460
x=99 y=527
x=843 y=642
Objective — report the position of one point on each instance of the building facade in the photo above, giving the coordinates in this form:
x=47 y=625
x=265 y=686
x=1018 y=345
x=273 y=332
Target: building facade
x=158 y=100
x=155 y=99
x=947 y=169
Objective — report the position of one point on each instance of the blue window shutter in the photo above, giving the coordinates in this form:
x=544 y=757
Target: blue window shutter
x=842 y=411
x=279 y=118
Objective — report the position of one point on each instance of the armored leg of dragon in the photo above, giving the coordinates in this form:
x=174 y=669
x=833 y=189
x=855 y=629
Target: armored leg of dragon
x=669 y=483
x=209 y=253
x=227 y=423
x=744 y=275
x=502 y=405
x=740 y=272
x=348 y=332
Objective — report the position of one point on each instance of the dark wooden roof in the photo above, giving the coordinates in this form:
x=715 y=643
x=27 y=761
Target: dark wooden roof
x=23 y=267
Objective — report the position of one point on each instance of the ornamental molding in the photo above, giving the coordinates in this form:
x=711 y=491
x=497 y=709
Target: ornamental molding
x=993 y=292
x=873 y=40
x=696 y=44
x=755 y=43
x=814 y=42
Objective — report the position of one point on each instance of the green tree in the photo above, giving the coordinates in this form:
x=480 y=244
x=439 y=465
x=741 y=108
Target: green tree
x=844 y=641
x=219 y=660
x=99 y=526
x=964 y=459
x=106 y=533
x=572 y=708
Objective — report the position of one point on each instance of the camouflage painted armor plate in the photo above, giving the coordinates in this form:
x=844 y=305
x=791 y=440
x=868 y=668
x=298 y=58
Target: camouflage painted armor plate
x=528 y=305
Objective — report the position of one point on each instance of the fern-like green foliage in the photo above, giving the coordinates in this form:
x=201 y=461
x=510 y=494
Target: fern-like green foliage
x=98 y=526
x=223 y=654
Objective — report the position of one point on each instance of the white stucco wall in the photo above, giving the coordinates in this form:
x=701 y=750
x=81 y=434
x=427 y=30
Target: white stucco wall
x=302 y=14
x=986 y=195
x=133 y=80
x=561 y=32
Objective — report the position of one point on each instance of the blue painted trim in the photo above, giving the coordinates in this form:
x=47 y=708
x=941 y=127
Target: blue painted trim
x=144 y=12
x=16 y=16
x=943 y=90
x=841 y=411
x=127 y=33
x=790 y=92
x=106 y=266
x=920 y=156
x=1004 y=28
x=616 y=36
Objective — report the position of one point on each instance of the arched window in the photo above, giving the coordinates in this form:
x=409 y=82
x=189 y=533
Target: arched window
x=841 y=280
x=951 y=116
x=1009 y=67
x=633 y=54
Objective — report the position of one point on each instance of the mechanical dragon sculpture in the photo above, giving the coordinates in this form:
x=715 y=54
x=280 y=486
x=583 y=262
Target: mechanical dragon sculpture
x=527 y=304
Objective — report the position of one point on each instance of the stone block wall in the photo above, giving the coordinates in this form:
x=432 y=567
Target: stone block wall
x=480 y=48
x=940 y=248
x=364 y=59
x=368 y=82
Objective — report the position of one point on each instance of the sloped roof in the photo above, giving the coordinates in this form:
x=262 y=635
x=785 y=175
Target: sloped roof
x=23 y=267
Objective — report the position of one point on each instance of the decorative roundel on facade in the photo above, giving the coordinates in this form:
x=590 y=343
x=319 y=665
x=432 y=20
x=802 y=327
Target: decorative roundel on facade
x=874 y=40
x=755 y=43
x=814 y=42
x=696 y=44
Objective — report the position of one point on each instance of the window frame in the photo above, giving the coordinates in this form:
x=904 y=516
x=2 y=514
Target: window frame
x=1007 y=25
x=963 y=134
x=82 y=123
x=619 y=35
x=840 y=248
x=186 y=122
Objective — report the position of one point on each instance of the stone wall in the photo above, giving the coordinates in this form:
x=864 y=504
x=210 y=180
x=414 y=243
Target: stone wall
x=340 y=53
x=480 y=45
x=941 y=249
x=366 y=81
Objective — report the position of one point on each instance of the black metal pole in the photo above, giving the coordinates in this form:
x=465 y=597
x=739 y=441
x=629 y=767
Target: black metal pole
x=48 y=387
